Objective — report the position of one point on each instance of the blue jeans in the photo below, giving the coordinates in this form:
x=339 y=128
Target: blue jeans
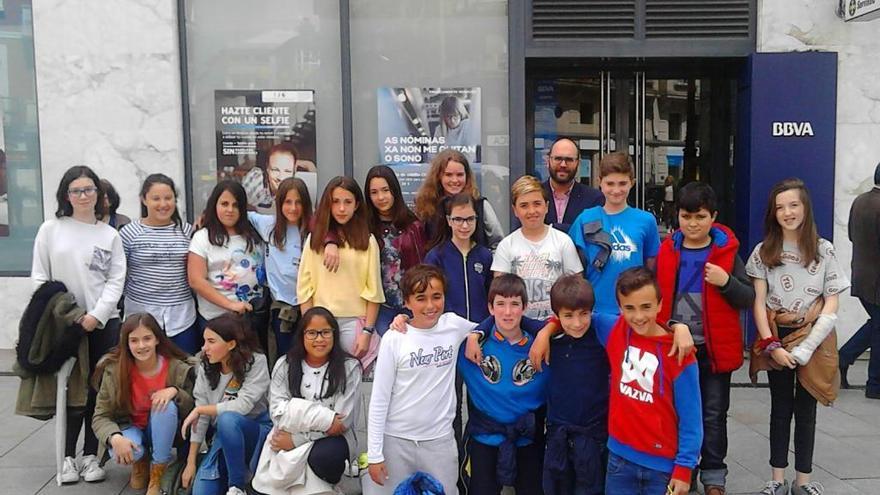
x=190 y=340
x=627 y=477
x=158 y=435
x=868 y=336
x=237 y=438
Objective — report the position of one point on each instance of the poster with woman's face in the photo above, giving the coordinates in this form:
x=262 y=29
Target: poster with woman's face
x=264 y=137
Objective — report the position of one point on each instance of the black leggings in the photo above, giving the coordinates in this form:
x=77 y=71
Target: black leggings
x=788 y=398
x=327 y=458
x=100 y=341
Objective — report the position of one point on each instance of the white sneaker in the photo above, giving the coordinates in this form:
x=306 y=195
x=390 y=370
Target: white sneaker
x=234 y=490
x=91 y=471
x=69 y=473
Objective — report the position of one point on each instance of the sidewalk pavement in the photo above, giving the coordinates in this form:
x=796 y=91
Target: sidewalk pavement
x=846 y=460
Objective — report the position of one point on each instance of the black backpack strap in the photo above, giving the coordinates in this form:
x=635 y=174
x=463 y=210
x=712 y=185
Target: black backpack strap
x=593 y=234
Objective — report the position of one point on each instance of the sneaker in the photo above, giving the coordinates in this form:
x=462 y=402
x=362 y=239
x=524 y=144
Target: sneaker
x=811 y=488
x=69 y=473
x=91 y=471
x=872 y=394
x=234 y=490
x=775 y=488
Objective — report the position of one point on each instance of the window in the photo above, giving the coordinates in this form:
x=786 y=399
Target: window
x=21 y=208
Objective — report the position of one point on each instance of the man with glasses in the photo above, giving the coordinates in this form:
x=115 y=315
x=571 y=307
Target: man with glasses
x=568 y=196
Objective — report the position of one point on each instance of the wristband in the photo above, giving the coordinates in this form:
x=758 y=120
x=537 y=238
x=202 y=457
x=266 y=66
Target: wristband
x=763 y=344
x=772 y=346
x=369 y=330
x=553 y=319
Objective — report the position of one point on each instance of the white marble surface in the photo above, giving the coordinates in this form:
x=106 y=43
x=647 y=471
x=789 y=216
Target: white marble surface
x=108 y=86
x=801 y=25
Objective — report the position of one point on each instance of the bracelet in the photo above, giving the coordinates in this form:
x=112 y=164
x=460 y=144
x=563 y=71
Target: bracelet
x=772 y=346
x=763 y=344
x=369 y=330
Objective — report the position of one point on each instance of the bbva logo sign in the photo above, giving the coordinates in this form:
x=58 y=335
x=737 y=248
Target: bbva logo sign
x=787 y=129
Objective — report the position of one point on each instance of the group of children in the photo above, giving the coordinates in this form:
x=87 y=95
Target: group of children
x=643 y=337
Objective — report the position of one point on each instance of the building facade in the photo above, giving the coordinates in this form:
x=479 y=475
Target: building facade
x=139 y=87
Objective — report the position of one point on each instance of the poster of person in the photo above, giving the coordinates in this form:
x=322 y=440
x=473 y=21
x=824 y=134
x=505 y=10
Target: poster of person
x=264 y=137
x=417 y=123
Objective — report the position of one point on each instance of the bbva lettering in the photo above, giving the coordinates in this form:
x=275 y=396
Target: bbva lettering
x=798 y=129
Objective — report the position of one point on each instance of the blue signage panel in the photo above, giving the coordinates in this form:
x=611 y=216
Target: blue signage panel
x=787 y=106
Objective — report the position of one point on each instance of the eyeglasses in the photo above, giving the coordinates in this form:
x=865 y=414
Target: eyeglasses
x=459 y=221
x=569 y=160
x=314 y=334
x=82 y=191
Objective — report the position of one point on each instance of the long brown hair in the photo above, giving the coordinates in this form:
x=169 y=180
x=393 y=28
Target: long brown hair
x=279 y=232
x=122 y=357
x=230 y=326
x=356 y=232
x=401 y=216
x=808 y=237
x=431 y=192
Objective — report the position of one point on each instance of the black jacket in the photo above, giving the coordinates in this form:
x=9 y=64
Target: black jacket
x=864 y=232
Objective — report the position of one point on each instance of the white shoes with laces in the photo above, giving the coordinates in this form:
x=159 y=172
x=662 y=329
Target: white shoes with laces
x=234 y=490
x=91 y=470
x=69 y=473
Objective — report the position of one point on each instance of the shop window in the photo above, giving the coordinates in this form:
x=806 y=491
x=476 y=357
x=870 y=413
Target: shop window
x=21 y=208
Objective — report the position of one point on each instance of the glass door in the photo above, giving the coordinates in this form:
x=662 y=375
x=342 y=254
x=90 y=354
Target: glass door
x=675 y=129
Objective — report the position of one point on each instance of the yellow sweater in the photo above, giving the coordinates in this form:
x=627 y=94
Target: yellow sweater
x=346 y=292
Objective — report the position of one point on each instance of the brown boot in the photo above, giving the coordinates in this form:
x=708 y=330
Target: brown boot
x=714 y=490
x=140 y=474
x=156 y=472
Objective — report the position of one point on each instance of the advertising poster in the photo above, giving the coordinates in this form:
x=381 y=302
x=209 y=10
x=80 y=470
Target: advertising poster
x=264 y=137
x=417 y=123
x=4 y=186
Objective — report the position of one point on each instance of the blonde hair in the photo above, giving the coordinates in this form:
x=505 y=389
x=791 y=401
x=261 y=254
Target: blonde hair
x=525 y=185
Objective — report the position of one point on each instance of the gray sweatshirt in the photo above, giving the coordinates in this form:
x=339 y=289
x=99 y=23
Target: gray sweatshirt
x=250 y=399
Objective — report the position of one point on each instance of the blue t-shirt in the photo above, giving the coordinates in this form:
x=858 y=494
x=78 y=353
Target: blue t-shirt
x=634 y=239
x=505 y=386
x=688 y=304
x=282 y=266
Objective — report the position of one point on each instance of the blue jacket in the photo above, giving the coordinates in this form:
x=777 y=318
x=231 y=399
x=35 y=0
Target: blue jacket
x=467 y=280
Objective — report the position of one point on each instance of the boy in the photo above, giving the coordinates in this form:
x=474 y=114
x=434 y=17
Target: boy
x=654 y=428
x=615 y=236
x=536 y=252
x=577 y=396
x=700 y=273
x=506 y=447
x=413 y=399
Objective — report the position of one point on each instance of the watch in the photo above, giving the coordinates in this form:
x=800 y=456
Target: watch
x=369 y=330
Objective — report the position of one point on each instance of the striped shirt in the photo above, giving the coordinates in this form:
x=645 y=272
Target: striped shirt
x=157 y=279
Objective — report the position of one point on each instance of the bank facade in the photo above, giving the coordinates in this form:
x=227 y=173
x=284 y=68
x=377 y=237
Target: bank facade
x=738 y=93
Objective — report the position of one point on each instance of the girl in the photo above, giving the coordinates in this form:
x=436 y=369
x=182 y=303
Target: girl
x=797 y=285
x=328 y=378
x=465 y=263
x=401 y=238
x=352 y=293
x=225 y=266
x=451 y=174
x=86 y=254
x=144 y=384
x=111 y=204
x=284 y=233
x=230 y=394
x=156 y=246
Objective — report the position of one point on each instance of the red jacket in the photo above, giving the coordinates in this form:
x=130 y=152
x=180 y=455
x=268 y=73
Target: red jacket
x=721 y=327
